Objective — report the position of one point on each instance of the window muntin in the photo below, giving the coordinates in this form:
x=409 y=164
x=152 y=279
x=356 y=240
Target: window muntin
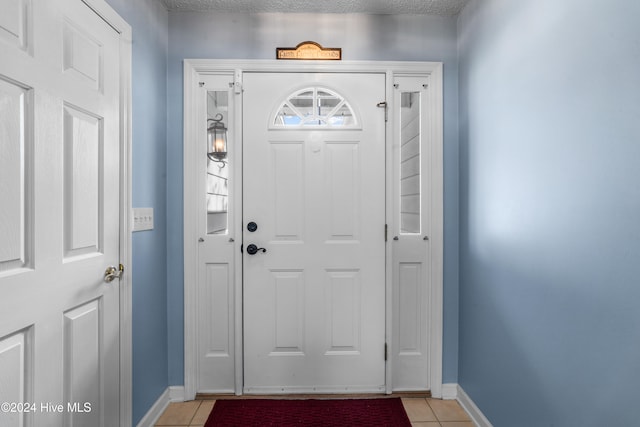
x=315 y=107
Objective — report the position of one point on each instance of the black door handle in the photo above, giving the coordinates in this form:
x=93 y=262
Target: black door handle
x=253 y=249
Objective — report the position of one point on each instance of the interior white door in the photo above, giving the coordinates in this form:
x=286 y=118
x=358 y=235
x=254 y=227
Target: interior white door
x=314 y=299
x=59 y=215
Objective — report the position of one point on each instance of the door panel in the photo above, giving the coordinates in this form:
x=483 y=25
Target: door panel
x=14 y=21
x=59 y=217
x=83 y=166
x=215 y=219
x=15 y=148
x=314 y=302
x=82 y=348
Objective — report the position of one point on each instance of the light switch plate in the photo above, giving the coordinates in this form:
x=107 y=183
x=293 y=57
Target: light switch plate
x=142 y=219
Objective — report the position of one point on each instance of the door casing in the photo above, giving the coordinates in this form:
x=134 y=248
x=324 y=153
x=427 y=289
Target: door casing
x=122 y=27
x=195 y=71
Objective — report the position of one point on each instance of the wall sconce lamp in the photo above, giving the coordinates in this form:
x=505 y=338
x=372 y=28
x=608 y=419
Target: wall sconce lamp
x=217 y=140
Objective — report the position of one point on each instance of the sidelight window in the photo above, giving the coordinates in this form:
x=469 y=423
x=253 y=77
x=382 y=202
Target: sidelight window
x=410 y=191
x=217 y=167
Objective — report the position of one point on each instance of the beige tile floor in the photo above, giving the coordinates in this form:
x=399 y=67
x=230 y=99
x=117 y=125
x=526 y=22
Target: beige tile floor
x=422 y=413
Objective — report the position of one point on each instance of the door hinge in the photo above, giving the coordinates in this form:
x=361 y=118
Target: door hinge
x=383 y=104
x=386 y=351
x=386 y=232
x=237 y=82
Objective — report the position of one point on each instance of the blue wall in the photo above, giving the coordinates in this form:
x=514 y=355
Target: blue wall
x=362 y=37
x=550 y=211
x=549 y=201
x=149 y=21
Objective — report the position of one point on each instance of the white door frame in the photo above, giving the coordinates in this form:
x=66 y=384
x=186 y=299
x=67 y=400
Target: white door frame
x=106 y=12
x=196 y=70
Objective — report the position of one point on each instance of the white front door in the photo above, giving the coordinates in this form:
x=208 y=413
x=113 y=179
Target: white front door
x=314 y=189
x=59 y=215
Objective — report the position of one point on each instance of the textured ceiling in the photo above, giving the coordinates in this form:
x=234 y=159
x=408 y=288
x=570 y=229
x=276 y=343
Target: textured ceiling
x=429 y=7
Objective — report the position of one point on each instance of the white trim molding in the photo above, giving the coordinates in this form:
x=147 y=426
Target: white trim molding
x=472 y=409
x=176 y=393
x=106 y=12
x=190 y=239
x=436 y=305
x=171 y=394
x=450 y=391
x=155 y=411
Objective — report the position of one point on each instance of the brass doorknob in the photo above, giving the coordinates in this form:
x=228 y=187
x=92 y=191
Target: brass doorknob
x=112 y=273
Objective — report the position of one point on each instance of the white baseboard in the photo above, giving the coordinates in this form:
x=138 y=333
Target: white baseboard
x=450 y=391
x=474 y=412
x=171 y=394
x=176 y=393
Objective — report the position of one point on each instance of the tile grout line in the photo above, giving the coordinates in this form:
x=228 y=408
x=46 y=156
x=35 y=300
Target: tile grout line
x=194 y=413
x=434 y=412
x=448 y=421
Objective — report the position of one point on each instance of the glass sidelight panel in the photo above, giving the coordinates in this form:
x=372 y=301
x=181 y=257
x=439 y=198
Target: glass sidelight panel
x=410 y=191
x=217 y=177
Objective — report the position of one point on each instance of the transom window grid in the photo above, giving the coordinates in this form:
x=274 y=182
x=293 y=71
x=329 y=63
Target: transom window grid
x=315 y=107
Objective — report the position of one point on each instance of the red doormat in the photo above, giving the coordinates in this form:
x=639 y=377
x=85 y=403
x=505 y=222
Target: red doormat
x=387 y=412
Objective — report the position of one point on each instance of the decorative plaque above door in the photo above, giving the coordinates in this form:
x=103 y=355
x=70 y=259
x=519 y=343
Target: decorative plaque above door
x=309 y=50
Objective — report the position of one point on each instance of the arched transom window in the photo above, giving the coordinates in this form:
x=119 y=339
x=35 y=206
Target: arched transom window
x=315 y=107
